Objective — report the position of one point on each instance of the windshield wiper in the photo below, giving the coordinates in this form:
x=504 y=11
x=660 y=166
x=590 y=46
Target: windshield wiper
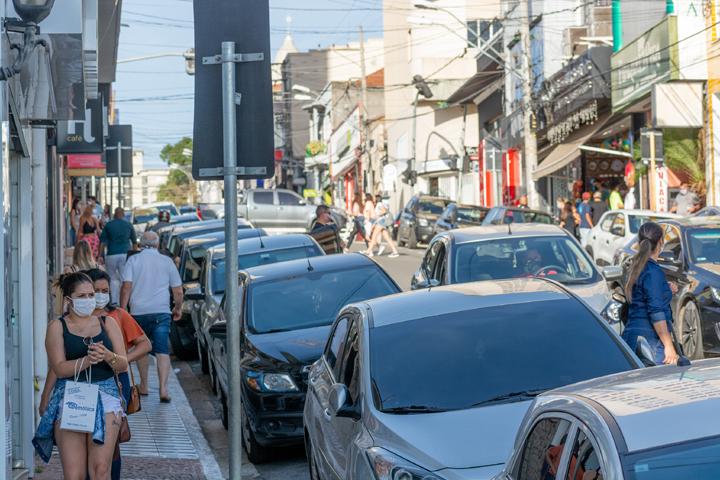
x=522 y=395
x=408 y=409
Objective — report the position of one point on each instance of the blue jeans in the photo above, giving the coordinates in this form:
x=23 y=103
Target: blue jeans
x=157 y=328
x=631 y=335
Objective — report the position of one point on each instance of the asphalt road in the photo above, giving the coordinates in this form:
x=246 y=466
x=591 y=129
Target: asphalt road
x=288 y=464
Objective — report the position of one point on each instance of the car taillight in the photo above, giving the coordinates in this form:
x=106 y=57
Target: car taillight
x=199 y=213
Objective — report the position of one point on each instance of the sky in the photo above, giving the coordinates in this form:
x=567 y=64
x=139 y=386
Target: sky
x=156 y=95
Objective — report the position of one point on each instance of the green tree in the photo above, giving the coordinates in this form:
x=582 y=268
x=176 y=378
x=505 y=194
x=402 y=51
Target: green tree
x=179 y=187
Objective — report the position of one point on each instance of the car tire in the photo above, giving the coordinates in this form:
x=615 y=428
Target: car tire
x=412 y=239
x=213 y=378
x=256 y=453
x=204 y=359
x=225 y=412
x=689 y=331
x=312 y=465
x=180 y=350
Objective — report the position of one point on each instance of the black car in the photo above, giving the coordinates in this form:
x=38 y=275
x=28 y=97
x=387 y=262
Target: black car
x=708 y=212
x=502 y=215
x=691 y=259
x=460 y=216
x=174 y=243
x=286 y=313
x=417 y=219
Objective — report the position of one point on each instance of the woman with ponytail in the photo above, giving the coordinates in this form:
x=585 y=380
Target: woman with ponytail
x=649 y=294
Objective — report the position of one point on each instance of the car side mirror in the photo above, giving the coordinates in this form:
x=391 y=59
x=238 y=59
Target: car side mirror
x=644 y=352
x=669 y=259
x=612 y=273
x=302 y=202
x=339 y=403
x=194 y=294
x=618 y=230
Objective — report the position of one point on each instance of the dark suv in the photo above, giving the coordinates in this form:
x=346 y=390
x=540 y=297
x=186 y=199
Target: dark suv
x=418 y=218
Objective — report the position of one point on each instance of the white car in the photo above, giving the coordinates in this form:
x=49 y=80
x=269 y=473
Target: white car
x=615 y=229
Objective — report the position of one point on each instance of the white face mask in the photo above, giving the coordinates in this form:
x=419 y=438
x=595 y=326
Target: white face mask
x=83 y=307
x=101 y=299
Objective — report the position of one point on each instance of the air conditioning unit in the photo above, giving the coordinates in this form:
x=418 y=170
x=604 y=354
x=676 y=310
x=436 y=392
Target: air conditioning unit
x=573 y=45
x=601 y=22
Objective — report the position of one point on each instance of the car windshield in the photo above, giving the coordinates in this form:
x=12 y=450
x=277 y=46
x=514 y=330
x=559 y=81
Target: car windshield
x=145 y=215
x=432 y=207
x=698 y=459
x=312 y=300
x=497 y=354
x=169 y=208
x=554 y=257
x=528 y=216
x=194 y=260
x=256 y=259
x=471 y=214
x=637 y=221
x=705 y=245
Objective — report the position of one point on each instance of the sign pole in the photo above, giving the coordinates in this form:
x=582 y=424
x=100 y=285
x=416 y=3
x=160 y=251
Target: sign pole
x=653 y=180
x=231 y=256
x=119 y=169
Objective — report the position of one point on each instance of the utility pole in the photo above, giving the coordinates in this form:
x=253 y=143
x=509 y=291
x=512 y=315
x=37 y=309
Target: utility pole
x=530 y=150
x=364 y=112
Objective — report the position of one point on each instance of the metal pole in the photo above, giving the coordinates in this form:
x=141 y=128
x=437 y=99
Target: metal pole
x=232 y=303
x=413 y=164
x=119 y=169
x=530 y=153
x=365 y=117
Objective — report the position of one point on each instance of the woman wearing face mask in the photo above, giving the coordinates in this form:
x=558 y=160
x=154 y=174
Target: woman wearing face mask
x=649 y=295
x=80 y=341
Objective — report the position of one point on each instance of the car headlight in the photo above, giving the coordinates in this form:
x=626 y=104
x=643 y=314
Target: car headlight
x=388 y=466
x=270 y=382
x=612 y=313
x=715 y=294
x=422 y=222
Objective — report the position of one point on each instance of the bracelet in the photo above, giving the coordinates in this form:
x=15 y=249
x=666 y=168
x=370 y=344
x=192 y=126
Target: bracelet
x=113 y=361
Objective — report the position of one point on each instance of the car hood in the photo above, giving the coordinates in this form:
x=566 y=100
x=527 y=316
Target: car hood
x=597 y=294
x=711 y=268
x=473 y=438
x=297 y=347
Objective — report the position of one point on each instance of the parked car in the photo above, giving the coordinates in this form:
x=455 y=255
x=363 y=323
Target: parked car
x=615 y=229
x=276 y=209
x=434 y=384
x=187 y=209
x=211 y=211
x=708 y=212
x=252 y=252
x=174 y=243
x=417 y=219
x=524 y=250
x=505 y=215
x=691 y=259
x=653 y=424
x=460 y=216
x=145 y=215
x=286 y=312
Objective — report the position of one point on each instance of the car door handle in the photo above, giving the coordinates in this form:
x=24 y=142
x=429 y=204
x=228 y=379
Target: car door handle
x=327 y=415
x=313 y=380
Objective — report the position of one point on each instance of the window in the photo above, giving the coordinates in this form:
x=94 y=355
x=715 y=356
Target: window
x=618 y=225
x=263 y=198
x=696 y=459
x=285 y=198
x=673 y=243
x=705 y=245
x=428 y=264
x=480 y=31
x=584 y=462
x=543 y=449
x=348 y=373
x=337 y=342
x=439 y=270
x=607 y=222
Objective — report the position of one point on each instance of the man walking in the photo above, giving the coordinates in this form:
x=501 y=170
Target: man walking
x=686 y=201
x=616 y=199
x=586 y=223
x=119 y=237
x=598 y=206
x=146 y=280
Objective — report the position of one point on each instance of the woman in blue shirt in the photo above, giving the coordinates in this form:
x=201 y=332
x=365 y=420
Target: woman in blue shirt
x=649 y=295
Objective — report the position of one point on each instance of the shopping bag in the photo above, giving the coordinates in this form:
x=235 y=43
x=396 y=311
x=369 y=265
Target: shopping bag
x=79 y=405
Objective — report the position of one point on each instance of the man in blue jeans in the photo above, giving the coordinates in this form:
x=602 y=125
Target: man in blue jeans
x=147 y=278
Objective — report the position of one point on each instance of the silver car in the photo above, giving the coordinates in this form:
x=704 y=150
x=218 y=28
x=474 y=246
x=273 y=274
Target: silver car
x=433 y=384
x=658 y=423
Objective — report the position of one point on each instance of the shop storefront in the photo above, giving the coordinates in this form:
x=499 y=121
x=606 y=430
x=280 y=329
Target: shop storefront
x=345 y=171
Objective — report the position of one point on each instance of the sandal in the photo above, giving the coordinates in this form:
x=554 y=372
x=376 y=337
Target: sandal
x=165 y=399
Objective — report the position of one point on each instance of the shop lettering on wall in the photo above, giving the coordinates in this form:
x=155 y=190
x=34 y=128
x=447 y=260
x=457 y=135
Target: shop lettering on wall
x=585 y=116
x=661 y=185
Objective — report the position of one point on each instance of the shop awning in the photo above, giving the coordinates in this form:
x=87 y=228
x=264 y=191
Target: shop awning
x=344 y=165
x=484 y=82
x=566 y=152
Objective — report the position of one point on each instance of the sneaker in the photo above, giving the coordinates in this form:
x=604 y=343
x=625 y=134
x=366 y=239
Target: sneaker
x=394 y=255
x=369 y=254
x=381 y=250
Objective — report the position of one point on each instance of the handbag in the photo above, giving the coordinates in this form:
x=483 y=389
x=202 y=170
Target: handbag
x=79 y=403
x=133 y=403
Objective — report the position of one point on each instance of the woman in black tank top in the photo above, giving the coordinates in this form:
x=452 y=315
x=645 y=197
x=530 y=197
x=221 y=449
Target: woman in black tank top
x=81 y=342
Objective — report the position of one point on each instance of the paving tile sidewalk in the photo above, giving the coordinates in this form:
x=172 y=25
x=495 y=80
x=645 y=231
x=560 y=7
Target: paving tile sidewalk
x=167 y=442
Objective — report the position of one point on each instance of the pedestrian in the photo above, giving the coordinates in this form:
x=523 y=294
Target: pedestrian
x=88 y=228
x=75 y=212
x=369 y=213
x=358 y=224
x=615 y=201
x=649 y=295
x=163 y=221
x=117 y=238
x=380 y=231
x=147 y=277
x=569 y=218
x=604 y=192
x=325 y=231
x=82 y=259
x=80 y=343
x=380 y=210
x=629 y=202
x=523 y=202
x=685 y=202
x=599 y=207
x=106 y=216
x=586 y=223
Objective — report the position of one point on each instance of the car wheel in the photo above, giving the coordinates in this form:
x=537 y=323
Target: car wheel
x=180 y=348
x=213 y=378
x=412 y=239
x=225 y=414
x=312 y=465
x=204 y=360
x=256 y=453
x=689 y=331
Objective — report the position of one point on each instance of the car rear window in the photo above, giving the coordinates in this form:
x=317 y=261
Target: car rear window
x=469 y=214
x=433 y=207
x=462 y=359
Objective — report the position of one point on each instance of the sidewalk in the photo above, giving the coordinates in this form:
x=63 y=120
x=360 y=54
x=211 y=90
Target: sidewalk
x=166 y=443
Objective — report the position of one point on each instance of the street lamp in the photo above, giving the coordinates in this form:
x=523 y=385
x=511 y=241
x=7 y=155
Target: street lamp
x=427 y=5
x=31 y=13
x=423 y=89
x=302 y=89
x=413 y=20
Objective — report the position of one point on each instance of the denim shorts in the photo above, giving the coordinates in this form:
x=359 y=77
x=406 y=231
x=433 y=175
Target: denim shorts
x=157 y=328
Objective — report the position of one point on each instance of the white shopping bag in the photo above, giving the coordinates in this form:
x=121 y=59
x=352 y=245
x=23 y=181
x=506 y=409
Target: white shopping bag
x=79 y=405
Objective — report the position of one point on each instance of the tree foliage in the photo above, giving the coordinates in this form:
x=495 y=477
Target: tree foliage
x=179 y=187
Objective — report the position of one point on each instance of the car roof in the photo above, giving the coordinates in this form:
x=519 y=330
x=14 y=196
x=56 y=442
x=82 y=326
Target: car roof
x=658 y=405
x=695 y=222
x=518 y=209
x=432 y=197
x=220 y=235
x=268 y=243
x=425 y=303
x=467 y=205
x=298 y=268
x=183 y=216
x=645 y=213
x=203 y=224
x=494 y=232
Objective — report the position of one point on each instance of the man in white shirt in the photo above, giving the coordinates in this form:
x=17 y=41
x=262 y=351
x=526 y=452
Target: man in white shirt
x=148 y=278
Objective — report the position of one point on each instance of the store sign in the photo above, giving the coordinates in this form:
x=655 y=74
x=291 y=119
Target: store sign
x=82 y=136
x=345 y=137
x=81 y=161
x=585 y=116
x=661 y=189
